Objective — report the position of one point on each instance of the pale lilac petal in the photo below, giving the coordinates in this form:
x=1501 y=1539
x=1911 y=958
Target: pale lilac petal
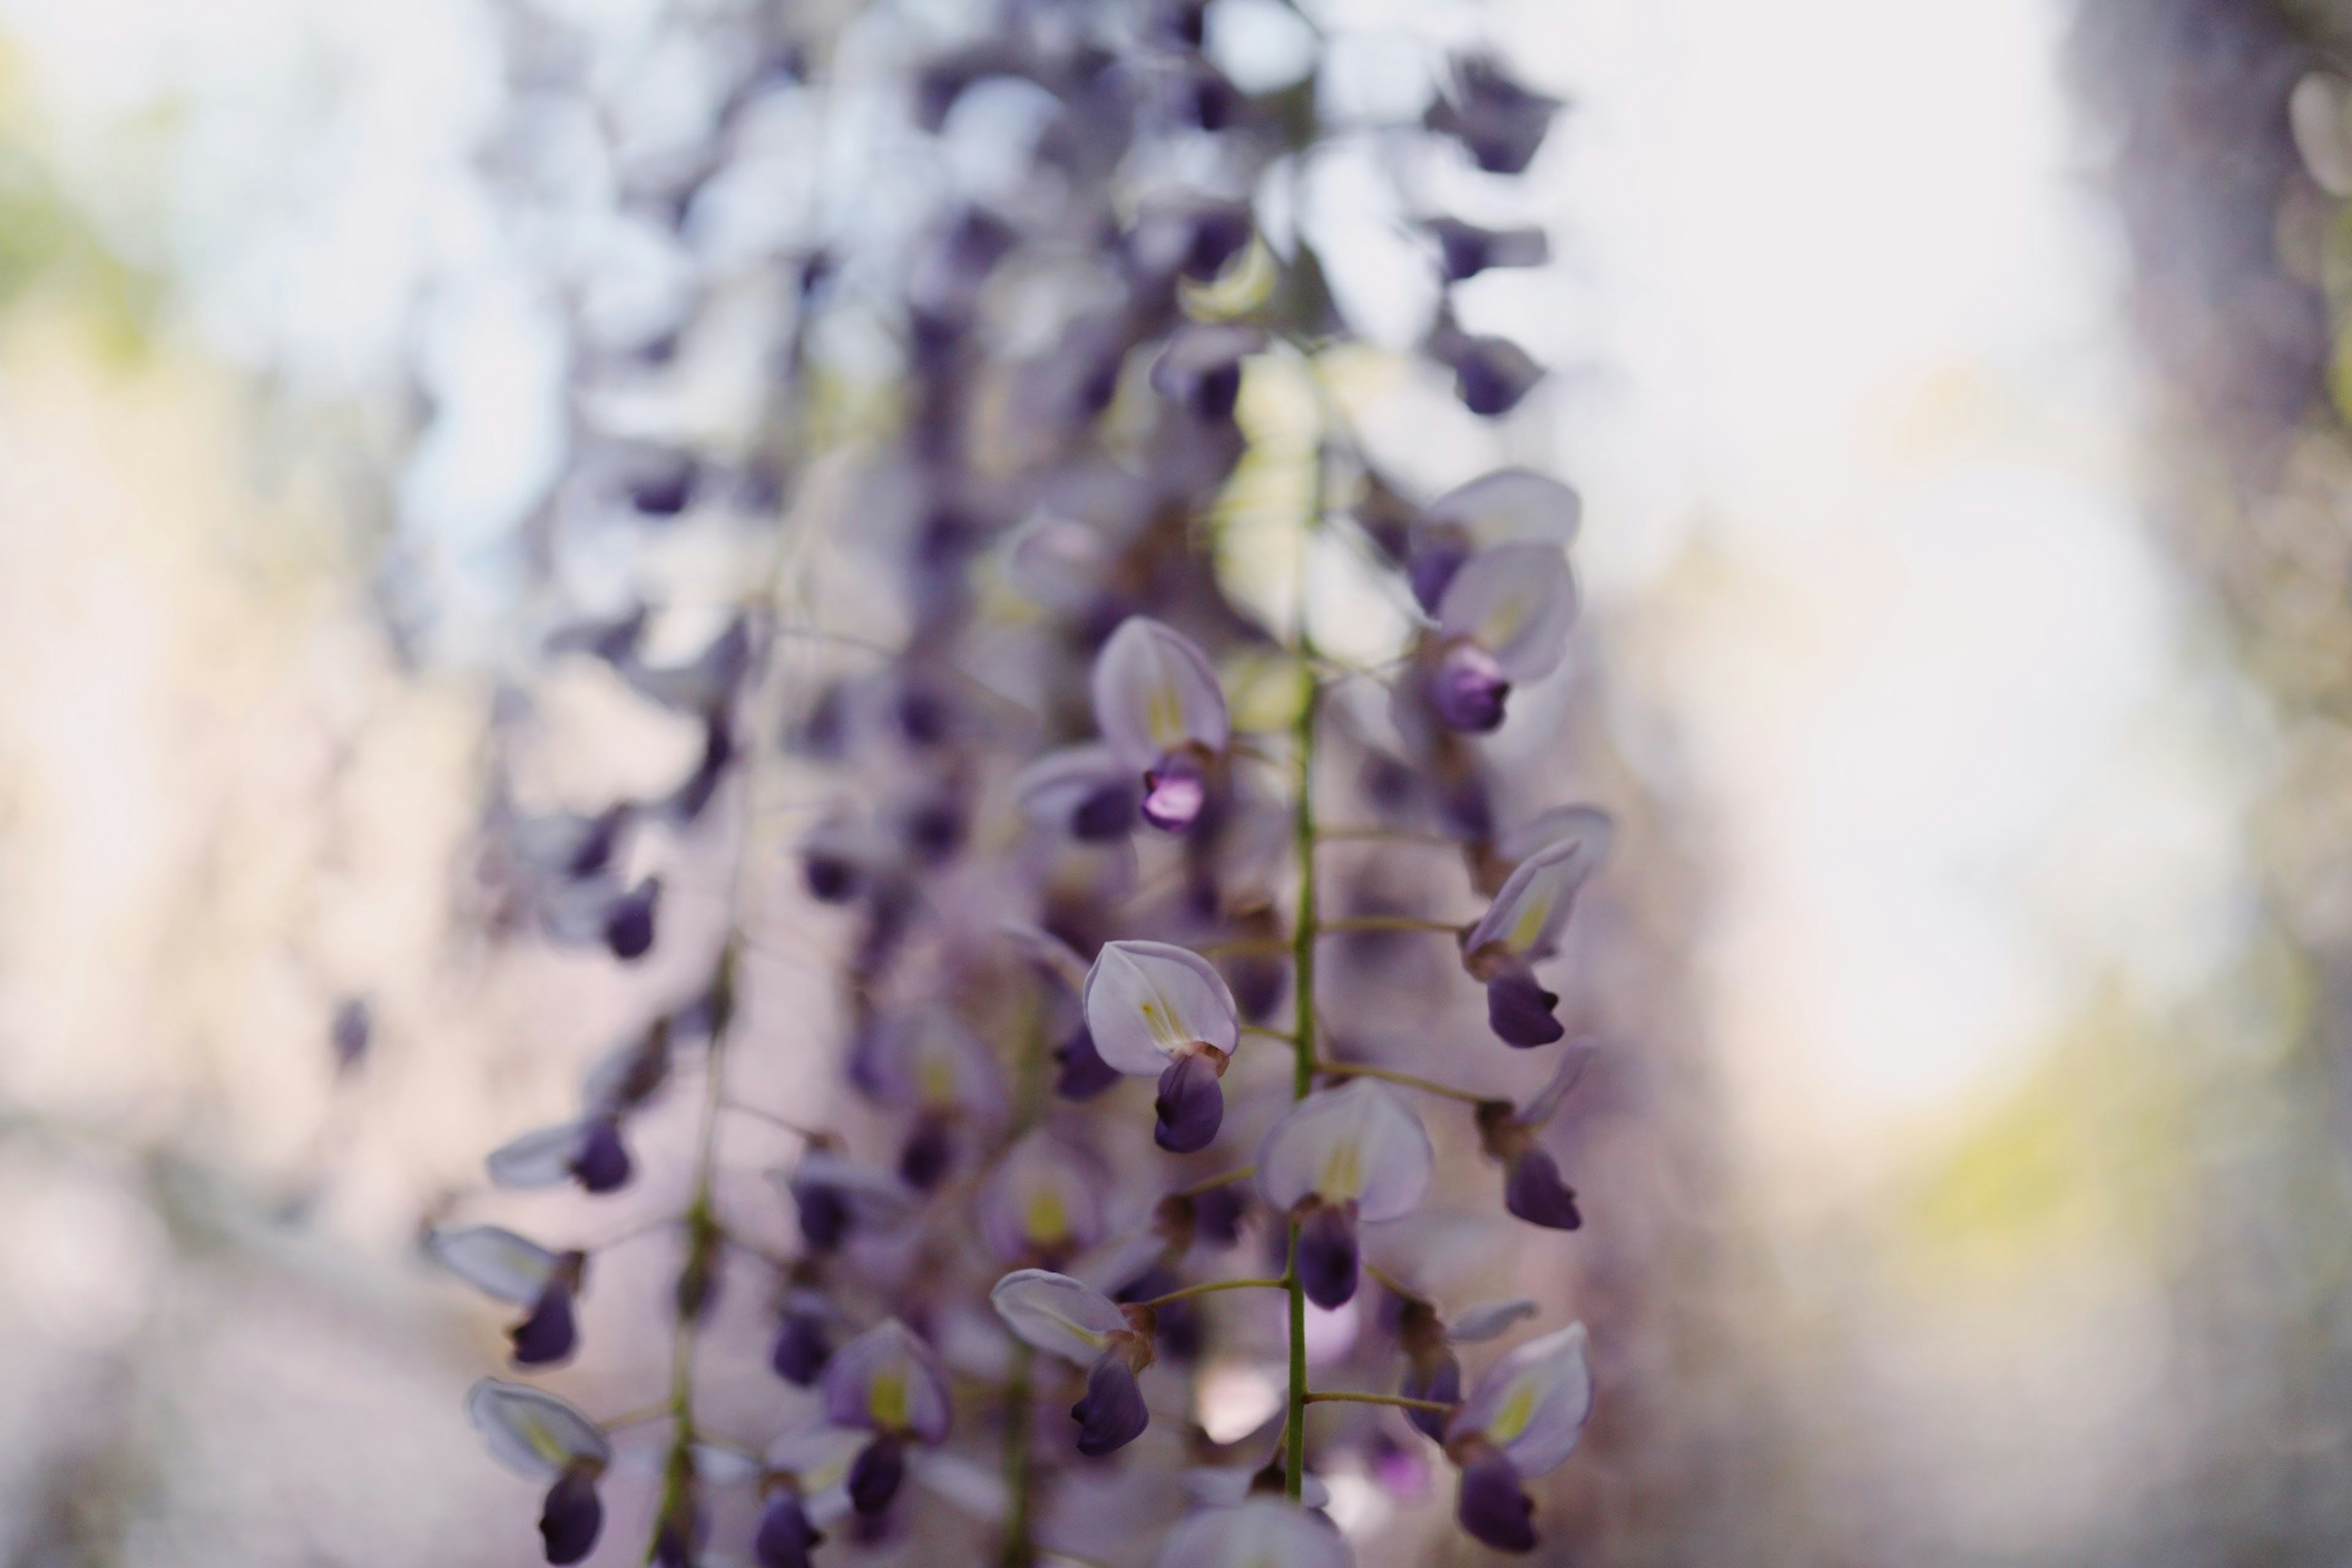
x=1515 y=601
x=1045 y=948
x=1534 y=1403
x=1574 y=1057
x=1059 y=1315
x=2319 y=116
x=1149 y=1000
x=1592 y=828
x=498 y=1263
x=542 y=1158
x=1228 y=1486
x=1511 y=506
x=1477 y=1324
x=533 y=1433
x=1262 y=1532
x=1155 y=692
x=932 y=1062
x=887 y=1380
x=1526 y=916
x=1044 y=1200
x=1054 y=787
x=1359 y=1143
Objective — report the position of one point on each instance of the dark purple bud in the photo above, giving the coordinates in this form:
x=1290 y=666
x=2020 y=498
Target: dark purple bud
x=1518 y=1009
x=350 y=1032
x=1432 y=568
x=923 y=716
x=1441 y=1381
x=875 y=1474
x=603 y=1163
x=1219 y=232
x=1326 y=1257
x=1083 y=1073
x=1174 y=793
x=1217 y=1215
x=629 y=920
x=1466 y=250
x=1533 y=1191
x=1109 y=813
x=690 y=799
x=1500 y=122
x=1492 y=374
x=934 y=829
x=823 y=1214
x=1112 y=1415
x=1491 y=1506
x=803 y=1347
x=1190 y=1106
x=1467 y=688
x=569 y=1522
x=830 y=879
x=665 y=491
x=930 y=1152
x=785 y=1534
x=550 y=1333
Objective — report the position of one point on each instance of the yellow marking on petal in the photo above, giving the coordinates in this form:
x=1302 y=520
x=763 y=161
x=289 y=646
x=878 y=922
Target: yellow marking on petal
x=935 y=1081
x=885 y=1401
x=544 y=1442
x=1517 y=1410
x=1530 y=924
x=1343 y=1173
x=1164 y=715
x=1047 y=1220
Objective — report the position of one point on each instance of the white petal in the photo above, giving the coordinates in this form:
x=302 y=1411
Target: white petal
x=1477 y=1324
x=1228 y=1486
x=1591 y=827
x=534 y=1433
x=1154 y=692
x=1574 y=1057
x=1264 y=1532
x=2319 y=113
x=1146 y=1001
x=1533 y=1403
x=1058 y=1314
x=1526 y=915
x=538 y=1159
x=1511 y=506
x=1515 y=601
x=1358 y=1143
x=496 y=1262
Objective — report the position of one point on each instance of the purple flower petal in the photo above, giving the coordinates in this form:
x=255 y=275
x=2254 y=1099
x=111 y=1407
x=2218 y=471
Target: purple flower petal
x=1190 y=1105
x=1533 y=1191
x=1327 y=1257
x=1112 y=1415
x=1492 y=1507
x=1519 y=1010
x=572 y=1517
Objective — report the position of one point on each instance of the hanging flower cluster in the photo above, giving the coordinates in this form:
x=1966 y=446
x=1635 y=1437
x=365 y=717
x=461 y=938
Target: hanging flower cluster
x=1060 y=784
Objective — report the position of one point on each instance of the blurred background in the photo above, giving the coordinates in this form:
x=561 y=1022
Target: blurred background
x=1949 y=388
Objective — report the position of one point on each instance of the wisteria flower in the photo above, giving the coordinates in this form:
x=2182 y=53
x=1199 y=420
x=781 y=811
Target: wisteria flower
x=1510 y=506
x=1464 y=250
x=1432 y=1372
x=1500 y=122
x=1532 y=1187
x=1261 y=1532
x=1355 y=1152
x=887 y=1382
x=1043 y=1202
x=1522 y=927
x=1070 y=1319
x=589 y=1152
x=546 y=1440
x=516 y=1270
x=1162 y=715
x=1504 y=619
x=1154 y=1008
x=1088 y=792
x=836 y=1196
x=1522 y=1420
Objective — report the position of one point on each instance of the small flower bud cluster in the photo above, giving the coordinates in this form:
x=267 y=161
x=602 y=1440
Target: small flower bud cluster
x=1064 y=782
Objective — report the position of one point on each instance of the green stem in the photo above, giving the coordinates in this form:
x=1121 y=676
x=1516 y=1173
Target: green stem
x=1386 y=922
x=1213 y=1286
x=1341 y=1396
x=1389 y=1075
x=1302 y=1073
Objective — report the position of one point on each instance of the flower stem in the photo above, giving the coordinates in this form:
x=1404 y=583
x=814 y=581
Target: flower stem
x=1213 y=1286
x=1340 y=1396
x=1389 y=1075
x=1302 y=1076
x=1385 y=922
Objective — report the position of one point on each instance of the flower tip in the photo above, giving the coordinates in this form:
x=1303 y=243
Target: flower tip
x=572 y=1518
x=1190 y=1106
x=1493 y=1507
x=1519 y=1010
x=1112 y=1415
